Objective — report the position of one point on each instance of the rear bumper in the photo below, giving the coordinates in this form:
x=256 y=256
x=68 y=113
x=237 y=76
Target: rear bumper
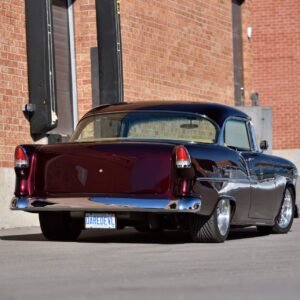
x=108 y=204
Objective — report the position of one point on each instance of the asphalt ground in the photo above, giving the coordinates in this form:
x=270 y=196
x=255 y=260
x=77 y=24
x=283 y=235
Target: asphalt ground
x=131 y=265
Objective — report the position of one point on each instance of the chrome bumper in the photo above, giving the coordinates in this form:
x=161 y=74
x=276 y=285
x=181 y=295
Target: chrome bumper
x=107 y=204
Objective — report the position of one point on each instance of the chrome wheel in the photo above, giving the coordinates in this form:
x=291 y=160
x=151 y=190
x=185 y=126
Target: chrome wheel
x=223 y=216
x=286 y=213
x=284 y=220
x=212 y=229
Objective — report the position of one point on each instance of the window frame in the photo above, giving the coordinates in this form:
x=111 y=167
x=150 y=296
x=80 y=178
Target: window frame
x=249 y=135
x=255 y=144
x=217 y=127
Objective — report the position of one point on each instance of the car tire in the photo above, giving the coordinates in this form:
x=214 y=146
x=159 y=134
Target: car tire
x=212 y=229
x=285 y=218
x=59 y=226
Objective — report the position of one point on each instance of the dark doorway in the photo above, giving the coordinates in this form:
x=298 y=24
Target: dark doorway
x=109 y=52
x=49 y=68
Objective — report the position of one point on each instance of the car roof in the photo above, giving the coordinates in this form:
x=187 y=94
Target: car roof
x=217 y=112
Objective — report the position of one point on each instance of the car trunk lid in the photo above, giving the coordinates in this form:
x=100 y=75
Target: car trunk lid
x=130 y=168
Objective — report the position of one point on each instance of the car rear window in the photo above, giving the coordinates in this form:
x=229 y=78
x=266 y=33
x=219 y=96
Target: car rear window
x=146 y=126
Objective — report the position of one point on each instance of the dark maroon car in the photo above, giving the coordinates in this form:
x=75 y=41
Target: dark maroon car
x=154 y=166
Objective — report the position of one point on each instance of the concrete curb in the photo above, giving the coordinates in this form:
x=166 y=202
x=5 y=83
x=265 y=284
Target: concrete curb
x=8 y=218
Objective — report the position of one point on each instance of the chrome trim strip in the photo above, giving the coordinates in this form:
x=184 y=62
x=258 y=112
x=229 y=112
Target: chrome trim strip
x=233 y=180
x=224 y=179
x=108 y=204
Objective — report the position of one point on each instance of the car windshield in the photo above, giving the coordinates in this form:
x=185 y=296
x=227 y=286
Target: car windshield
x=143 y=125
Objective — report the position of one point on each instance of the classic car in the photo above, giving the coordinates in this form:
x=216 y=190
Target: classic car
x=186 y=166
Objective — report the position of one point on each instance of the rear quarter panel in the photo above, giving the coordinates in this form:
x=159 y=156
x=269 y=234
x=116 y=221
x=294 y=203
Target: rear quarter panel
x=220 y=172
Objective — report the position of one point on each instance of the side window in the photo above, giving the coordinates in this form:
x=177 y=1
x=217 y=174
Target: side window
x=236 y=135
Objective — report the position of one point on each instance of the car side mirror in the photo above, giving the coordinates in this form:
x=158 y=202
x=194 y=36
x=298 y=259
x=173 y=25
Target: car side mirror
x=264 y=145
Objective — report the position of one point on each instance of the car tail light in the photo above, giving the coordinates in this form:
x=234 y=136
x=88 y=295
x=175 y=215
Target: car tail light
x=183 y=159
x=21 y=158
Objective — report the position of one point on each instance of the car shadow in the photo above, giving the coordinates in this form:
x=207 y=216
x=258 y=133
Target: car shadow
x=36 y=237
x=244 y=233
x=133 y=237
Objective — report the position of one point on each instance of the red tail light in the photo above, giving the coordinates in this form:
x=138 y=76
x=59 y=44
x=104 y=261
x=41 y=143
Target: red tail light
x=183 y=159
x=21 y=158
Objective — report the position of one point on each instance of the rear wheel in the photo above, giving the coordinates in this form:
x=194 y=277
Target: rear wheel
x=214 y=229
x=59 y=226
x=284 y=220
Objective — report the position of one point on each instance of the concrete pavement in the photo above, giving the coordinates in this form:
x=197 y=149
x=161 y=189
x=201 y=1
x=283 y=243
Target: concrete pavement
x=130 y=265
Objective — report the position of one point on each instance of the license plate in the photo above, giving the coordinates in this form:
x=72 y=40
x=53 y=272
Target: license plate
x=95 y=220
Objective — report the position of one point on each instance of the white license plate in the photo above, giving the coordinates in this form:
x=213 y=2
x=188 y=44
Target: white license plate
x=95 y=220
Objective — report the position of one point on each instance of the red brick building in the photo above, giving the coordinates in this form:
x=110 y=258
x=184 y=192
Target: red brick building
x=171 y=50
x=276 y=67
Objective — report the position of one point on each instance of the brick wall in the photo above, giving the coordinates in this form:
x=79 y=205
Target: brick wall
x=276 y=67
x=14 y=128
x=177 y=49
x=171 y=50
x=85 y=39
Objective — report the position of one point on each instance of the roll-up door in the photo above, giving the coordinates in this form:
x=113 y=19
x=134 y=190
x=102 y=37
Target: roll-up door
x=62 y=67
